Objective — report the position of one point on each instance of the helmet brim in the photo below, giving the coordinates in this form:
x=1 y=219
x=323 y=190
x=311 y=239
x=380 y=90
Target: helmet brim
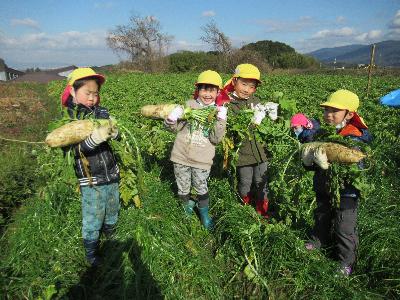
x=334 y=105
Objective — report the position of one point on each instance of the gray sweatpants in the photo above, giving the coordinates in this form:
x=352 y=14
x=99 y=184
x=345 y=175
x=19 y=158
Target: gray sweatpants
x=187 y=177
x=250 y=174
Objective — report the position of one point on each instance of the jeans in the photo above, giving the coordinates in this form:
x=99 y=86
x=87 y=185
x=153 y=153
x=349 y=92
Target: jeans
x=100 y=204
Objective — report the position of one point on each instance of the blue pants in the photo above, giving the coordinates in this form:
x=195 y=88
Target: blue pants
x=100 y=205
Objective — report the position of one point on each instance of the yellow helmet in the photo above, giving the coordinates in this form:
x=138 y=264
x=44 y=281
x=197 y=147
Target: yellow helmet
x=81 y=73
x=248 y=71
x=210 y=77
x=343 y=99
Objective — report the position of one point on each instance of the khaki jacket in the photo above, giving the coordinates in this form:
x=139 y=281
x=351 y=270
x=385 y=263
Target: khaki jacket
x=195 y=147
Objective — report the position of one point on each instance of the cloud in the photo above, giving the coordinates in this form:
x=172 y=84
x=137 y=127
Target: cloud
x=183 y=45
x=104 y=5
x=395 y=23
x=347 y=36
x=208 y=13
x=63 y=40
x=69 y=47
x=345 y=31
x=25 y=22
x=370 y=36
x=340 y=20
x=272 y=25
x=394 y=28
x=337 y=38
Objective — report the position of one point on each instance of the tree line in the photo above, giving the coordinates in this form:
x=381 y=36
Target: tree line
x=146 y=46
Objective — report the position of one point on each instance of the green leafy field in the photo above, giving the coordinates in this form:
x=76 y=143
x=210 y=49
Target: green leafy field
x=159 y=254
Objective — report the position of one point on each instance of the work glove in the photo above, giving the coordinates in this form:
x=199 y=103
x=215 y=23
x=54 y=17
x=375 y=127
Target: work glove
x=259 y=113
x=222 y=112
x=175 y=114
x=101 y=134
x=114 y=128
x=272 y=109
x=258 y=106
x=258 y=116
x=114 y=132
x=307 y=155
x=320 y=158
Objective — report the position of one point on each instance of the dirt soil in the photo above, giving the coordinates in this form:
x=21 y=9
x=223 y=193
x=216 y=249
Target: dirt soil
x=40 y=77
x=19 y=107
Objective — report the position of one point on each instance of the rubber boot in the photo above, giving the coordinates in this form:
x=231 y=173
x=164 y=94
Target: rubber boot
x=262 y=207
x=108 y=231
x=246 y=199
x=188 y=206
x=91 y=249
x=205 y=218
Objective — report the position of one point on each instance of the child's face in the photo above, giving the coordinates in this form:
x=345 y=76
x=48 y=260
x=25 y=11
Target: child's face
x=298 y=127
x=335 y=116
x=244 y=88
x=208 y=94
x=87 y=95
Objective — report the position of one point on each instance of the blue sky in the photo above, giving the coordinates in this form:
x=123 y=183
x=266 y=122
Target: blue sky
x=52 y=33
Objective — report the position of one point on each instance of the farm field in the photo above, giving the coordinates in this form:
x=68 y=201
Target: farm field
x=157 y=253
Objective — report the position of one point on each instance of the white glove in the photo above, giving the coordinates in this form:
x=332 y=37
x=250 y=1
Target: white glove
x=259 y=107
x=272 y=109
x=321 y=159
x=114 y=132
x=175 y=114
x=307 y=155
x=258 y=116
x=101 y=134
x=222 y=112
x=113 y=128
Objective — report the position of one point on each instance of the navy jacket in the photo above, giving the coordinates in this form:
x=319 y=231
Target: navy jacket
x=103 y=166
x=307 y=135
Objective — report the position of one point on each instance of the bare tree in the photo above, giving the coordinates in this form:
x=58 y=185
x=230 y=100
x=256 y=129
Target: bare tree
x=216 y=38
x=140 y=39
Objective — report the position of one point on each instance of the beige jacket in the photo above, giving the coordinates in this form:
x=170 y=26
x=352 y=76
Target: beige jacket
x=195 y=148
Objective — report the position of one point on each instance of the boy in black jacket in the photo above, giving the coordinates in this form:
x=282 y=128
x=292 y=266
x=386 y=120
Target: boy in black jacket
x=339 y=111
x=95 y=164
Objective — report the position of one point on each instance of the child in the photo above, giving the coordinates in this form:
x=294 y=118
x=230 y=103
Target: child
x=303 y=127
x=339 y=111
x=194 y=147
x=99 y=179
x=252 y=162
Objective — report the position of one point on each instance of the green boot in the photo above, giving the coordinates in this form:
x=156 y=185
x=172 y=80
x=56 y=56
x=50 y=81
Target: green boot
x=188 y=206
x=205 y=218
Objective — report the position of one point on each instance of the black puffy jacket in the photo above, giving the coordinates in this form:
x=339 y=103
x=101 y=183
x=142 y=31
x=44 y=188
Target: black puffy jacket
x=102 y=166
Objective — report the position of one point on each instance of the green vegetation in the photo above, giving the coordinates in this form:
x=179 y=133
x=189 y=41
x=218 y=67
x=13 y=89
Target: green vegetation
x=158 y=254
x=261 y=53
x=25 y=111
x=281 y=55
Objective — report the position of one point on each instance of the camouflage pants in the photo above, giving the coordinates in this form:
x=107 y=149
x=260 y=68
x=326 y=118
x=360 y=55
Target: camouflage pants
x=187 y=177
x=100 y=205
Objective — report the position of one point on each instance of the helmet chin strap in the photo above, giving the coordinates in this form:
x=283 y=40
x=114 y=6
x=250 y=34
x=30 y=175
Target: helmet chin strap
x=344 y=121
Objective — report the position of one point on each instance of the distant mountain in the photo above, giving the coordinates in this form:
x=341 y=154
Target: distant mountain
x=387 y=53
